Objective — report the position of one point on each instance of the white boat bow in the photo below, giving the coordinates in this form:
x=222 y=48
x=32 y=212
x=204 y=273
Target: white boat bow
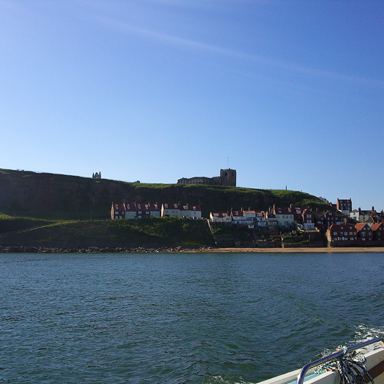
x=374 y=364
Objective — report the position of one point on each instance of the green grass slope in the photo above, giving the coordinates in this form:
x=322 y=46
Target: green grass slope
x=107 y=233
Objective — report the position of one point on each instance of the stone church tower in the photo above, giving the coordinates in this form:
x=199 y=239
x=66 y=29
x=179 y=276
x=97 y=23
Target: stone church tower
x=228 y=177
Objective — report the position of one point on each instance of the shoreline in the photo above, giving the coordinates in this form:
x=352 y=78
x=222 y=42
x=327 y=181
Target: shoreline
x=180 y=249
x=294 y=250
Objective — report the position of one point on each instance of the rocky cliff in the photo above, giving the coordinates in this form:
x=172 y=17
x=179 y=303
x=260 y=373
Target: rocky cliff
x=59 y=196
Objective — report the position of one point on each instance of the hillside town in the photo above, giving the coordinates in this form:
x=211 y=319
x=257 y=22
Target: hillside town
x=338 y=226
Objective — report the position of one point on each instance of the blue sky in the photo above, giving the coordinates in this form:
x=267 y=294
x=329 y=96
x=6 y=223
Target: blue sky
x=287 y=92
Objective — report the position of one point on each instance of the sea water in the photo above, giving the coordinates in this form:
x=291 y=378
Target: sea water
x=181 y=318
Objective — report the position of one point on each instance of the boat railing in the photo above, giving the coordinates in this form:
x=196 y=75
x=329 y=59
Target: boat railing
x=333 y=356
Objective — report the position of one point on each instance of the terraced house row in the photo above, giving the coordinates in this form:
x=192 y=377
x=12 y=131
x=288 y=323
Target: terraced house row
x=341 y=226
x=127 y=211
x=306 y=218
x=356 y=234
x=282 y=217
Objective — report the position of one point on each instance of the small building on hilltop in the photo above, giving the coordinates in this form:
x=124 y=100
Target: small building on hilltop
x=227 y=177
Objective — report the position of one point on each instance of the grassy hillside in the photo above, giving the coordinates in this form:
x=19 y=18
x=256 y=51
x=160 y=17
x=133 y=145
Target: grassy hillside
x=104 y=233
x=12 y=224
x=51 y=196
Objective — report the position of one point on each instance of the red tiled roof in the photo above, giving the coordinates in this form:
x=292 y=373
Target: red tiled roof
x=219 y=214
x=142 y=207
x=171 y=206
x=118 y=207
x=130 y=207
x=360 y=226
x=376 y=226
x=283 y=211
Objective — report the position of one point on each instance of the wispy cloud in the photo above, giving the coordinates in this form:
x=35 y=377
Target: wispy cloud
x=183 y=43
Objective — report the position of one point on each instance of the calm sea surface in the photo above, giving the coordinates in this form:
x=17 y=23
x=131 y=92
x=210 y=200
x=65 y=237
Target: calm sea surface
x=181 y=318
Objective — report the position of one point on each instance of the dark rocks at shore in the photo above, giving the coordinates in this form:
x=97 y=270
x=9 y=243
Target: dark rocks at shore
x=43 y=249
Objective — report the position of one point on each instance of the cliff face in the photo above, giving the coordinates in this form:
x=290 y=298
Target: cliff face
x=46 y=193
x=61 y=196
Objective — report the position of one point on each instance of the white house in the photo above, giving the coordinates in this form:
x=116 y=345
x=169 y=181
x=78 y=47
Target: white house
x=361 y=215
x=284 y=216
x=172 y=210
x=250 y=215
x=220 y=217
x=260 y=219
x=190 y=211
x=130 y=211
x=155 y=210
x=271 y=219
